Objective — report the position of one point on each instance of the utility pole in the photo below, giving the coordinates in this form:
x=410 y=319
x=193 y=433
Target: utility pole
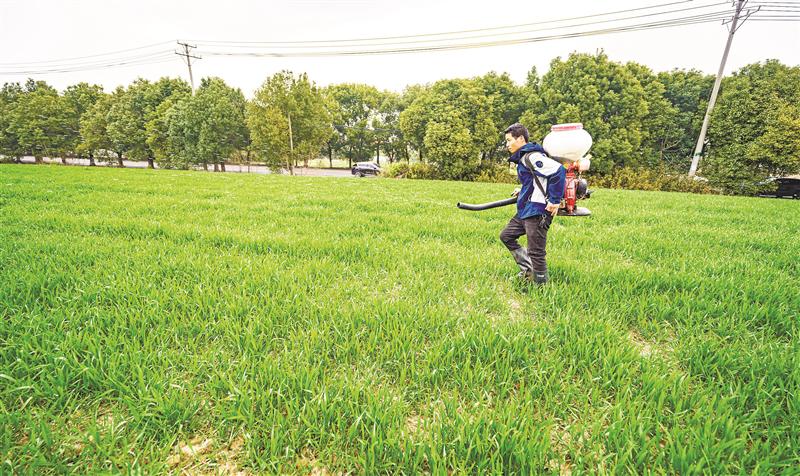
x=188 y=58
x=698 y=150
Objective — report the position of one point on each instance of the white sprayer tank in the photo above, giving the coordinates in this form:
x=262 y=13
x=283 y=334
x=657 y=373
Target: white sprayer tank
x=568 y=142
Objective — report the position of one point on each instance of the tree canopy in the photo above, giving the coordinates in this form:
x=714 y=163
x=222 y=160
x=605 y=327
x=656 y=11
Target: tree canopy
x=754 y=129
x=288 y=119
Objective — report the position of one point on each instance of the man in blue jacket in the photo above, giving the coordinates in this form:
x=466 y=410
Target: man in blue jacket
x=538 y=200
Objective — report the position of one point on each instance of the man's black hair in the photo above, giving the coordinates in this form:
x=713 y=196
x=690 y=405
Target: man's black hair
x=517 y=130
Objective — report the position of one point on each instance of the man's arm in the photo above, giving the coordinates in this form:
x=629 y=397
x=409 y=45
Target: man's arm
x=555 y=185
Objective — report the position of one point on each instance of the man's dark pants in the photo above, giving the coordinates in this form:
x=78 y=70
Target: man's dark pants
x=531 y=261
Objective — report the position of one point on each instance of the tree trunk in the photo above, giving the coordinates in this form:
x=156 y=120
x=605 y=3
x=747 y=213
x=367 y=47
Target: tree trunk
x=291 y=145
x=205 y=166
x=378 y=151
x=150 y=163
x=119 y=159
x=288 y=165
x=63 y=161
x=330 y=155
x=216 y=167
x=38 y=159
x=222 y=166
x=91 y=160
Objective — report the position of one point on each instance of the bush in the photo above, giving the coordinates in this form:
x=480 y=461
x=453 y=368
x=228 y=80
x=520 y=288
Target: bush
x=496 y=174
x=416 y=170
x=651 y=179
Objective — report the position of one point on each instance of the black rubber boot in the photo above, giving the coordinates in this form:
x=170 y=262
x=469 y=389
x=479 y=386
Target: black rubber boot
x=523 y=261
x=540 y=277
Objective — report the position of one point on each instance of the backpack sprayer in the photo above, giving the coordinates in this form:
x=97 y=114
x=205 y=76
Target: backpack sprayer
x=568 y=144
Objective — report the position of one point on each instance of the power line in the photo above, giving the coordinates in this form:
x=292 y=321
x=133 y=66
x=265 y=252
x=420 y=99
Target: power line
x=457 y=32
x=705 y=18
x=105 y=61
x=154 y=59
x=63 y=60
x=672 y=22
x=679 y=21
x=780 y=10
x=70 y=64
x=539 y=28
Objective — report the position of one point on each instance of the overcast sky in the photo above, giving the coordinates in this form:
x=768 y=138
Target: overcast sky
x=37 y=30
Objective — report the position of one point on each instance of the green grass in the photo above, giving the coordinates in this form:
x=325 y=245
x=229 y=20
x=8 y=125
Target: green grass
x=302 y=325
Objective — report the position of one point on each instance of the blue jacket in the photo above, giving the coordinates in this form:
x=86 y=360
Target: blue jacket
x=534 y=164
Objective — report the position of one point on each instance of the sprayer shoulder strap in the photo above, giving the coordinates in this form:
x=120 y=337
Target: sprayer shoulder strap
x=526 y=161
x=540 y=187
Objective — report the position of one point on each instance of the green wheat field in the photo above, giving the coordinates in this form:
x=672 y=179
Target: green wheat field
x=159 y=322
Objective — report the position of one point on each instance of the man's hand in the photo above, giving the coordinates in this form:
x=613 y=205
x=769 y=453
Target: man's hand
x=552 y=208
x=515 y=193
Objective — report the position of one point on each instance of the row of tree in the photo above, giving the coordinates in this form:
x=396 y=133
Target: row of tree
x=638 y=118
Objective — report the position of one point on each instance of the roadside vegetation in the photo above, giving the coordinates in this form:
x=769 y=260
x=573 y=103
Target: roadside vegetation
x=644 y=123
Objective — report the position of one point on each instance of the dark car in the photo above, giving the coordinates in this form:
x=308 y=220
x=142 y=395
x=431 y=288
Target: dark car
x=783 y=187
x=362 y=169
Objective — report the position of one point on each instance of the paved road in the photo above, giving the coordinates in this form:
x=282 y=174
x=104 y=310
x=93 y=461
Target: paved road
x=229 y=168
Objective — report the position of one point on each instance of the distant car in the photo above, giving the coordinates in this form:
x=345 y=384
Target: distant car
x=786 y=187
x=362 y=169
